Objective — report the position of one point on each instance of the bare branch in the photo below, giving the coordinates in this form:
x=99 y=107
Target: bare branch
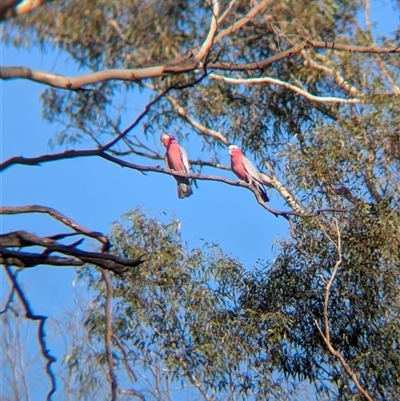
x=19 y=239
x=58 y=216
x=226 y=12
x=243 y=21
x=326 y=335
x=335 y=74
x=148 y=107
x=27 y=259
x=269 y=80
x=128 y=368
x=29 y=314
x=208 y=42
x=9 y=301
x=108 y=334
x=259 y=65
x=174 y=67
x=298 y=211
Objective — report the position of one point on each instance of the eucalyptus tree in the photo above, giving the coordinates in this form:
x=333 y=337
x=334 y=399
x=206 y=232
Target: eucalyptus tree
x=312 y=93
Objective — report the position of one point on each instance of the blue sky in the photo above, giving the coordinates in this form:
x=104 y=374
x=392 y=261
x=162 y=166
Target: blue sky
x=95 y=192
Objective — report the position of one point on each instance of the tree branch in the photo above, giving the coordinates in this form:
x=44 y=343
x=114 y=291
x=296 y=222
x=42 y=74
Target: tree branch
x=199 y=127
x=293 y=88
x=60 y=217
x=29 y=314
x=157 y=169
x=108 y=334
x=208 y=42
x=243 y=21
x=326 y=335
x=146 y=110
x=20 y=239
x=173 y=67
x=335 y=74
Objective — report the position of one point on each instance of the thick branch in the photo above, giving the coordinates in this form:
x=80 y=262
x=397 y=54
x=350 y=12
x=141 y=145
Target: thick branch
x=173 y=67
x=27 y=259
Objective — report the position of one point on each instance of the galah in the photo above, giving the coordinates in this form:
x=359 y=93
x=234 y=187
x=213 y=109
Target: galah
x=245 y=170
x=176 y=159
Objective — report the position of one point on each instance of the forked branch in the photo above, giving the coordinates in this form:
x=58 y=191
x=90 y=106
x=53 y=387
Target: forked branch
x=326 y=332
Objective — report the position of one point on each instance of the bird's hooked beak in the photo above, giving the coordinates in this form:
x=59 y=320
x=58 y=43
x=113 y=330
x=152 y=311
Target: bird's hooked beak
x=165 y=138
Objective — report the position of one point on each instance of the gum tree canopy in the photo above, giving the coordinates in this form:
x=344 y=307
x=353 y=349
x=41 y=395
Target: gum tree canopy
x=308 y=91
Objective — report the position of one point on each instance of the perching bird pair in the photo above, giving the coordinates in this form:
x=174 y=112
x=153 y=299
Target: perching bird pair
x=176 y=159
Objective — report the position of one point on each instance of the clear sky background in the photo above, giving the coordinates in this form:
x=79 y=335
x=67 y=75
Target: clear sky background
x=95 y=192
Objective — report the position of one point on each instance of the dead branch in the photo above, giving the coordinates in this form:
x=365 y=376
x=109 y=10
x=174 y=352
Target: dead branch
x=77 y=257
x=29 y=314
x=58 y=216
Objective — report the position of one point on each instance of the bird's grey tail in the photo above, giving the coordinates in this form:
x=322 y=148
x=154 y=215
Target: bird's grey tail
x=184 y=190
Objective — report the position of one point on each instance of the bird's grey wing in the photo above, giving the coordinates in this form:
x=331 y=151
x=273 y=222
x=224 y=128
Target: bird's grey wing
x=185 y=159
x=248 y=165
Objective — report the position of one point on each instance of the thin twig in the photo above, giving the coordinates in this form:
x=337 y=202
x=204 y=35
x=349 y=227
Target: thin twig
x=29 y=314
x=146 y=110
x=108 y=334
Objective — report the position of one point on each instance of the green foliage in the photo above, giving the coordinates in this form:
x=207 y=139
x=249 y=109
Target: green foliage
x=199 y=316
x=180 y=312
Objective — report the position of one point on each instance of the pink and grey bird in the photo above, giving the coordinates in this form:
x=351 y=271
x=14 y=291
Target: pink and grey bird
x=176 y=159
x=245 y=170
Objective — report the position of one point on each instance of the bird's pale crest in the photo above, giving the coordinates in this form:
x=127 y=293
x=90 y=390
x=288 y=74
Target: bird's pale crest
x=232 y=148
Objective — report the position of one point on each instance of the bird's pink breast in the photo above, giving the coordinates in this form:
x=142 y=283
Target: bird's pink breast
x=174 y=157
x=237 y=166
